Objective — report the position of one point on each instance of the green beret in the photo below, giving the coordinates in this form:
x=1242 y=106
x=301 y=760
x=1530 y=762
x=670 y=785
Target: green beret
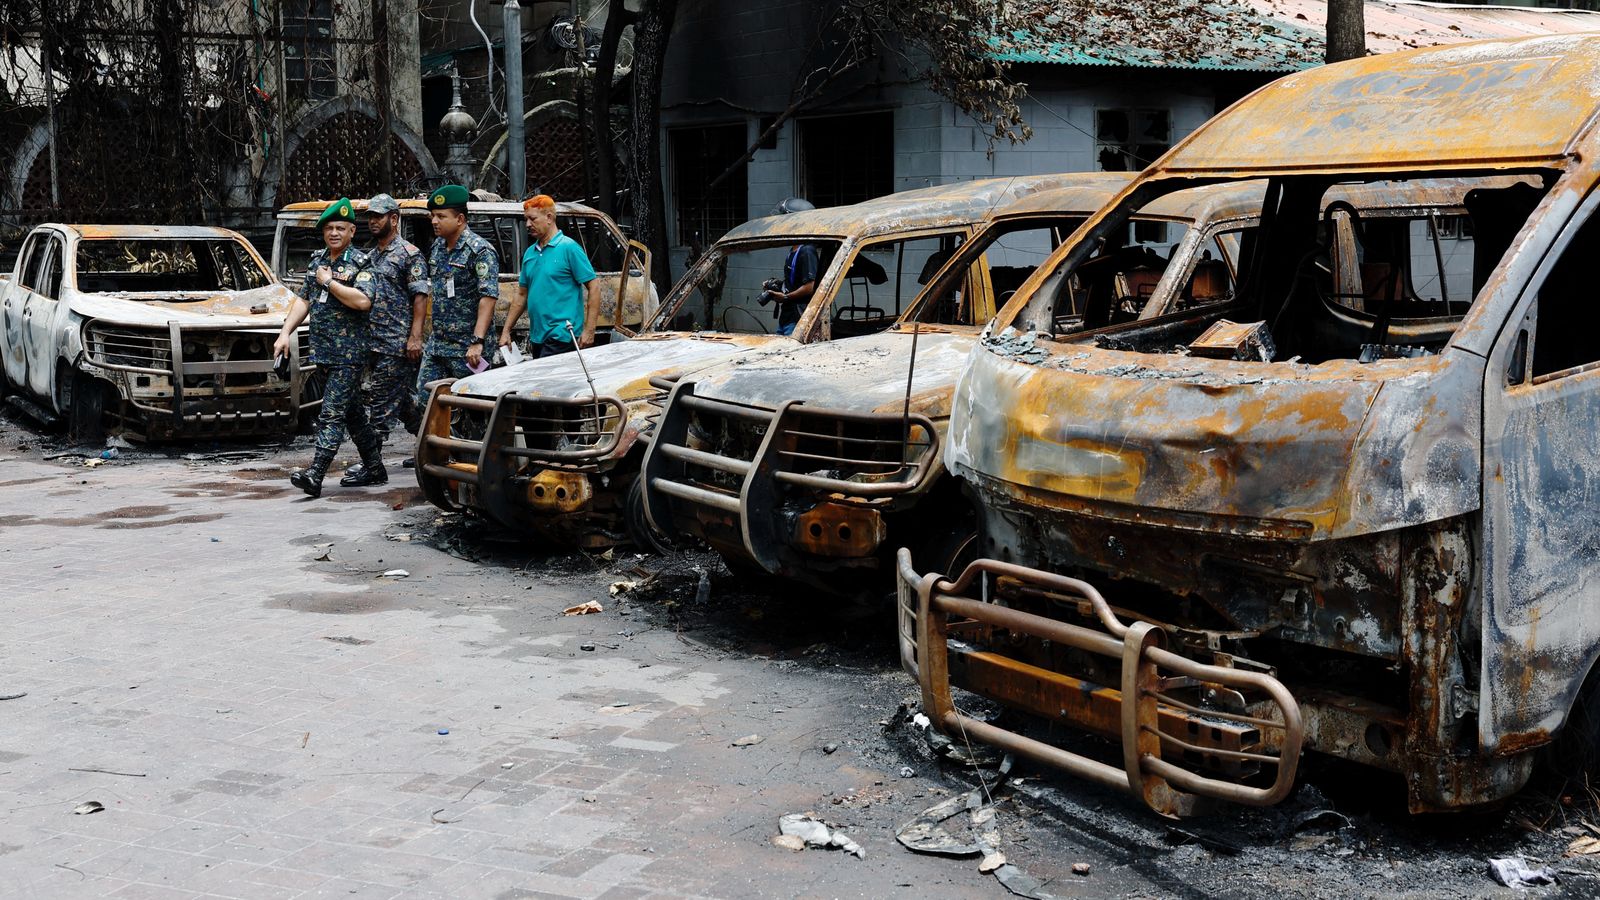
x=451 y=196
x=339 y=211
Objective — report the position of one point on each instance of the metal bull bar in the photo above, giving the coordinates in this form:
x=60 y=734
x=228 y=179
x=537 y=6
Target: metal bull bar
x=1140 y=712
x=795 y=438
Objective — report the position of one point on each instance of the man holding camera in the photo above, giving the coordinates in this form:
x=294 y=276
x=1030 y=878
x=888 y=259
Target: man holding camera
x=799 y=280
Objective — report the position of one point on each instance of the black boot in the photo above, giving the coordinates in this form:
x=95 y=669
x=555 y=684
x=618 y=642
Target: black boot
x=370 y=472
x=309 y=479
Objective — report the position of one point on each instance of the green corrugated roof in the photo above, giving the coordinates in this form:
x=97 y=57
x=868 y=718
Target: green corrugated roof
x=1179 y=34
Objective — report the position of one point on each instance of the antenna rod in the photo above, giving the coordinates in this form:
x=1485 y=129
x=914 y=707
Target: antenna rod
x=905 y=414
x=594 y=396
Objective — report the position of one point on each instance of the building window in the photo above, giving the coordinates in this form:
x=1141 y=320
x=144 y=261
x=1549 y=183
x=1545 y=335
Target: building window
x=1128 y=140
x=847 y=159
x=699 y=155
x=309 y=69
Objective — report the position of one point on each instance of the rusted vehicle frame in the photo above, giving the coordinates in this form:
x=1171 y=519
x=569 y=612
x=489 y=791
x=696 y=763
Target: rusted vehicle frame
x=90 y=331
x=589 y=502
x=834 y=529
x=1371 y=534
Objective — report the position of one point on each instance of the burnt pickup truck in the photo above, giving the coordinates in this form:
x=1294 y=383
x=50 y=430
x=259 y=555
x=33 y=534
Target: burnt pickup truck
x=620 y=264
x=162 y=332
x=1350 y=519
x=551 y=447
x=834 y=452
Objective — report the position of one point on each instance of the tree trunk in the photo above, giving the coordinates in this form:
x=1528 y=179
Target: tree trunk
x=650 y=35
x=1347 y=30
x=618 y=18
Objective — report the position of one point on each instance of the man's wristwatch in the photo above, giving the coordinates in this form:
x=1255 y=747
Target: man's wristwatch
x=472 y=340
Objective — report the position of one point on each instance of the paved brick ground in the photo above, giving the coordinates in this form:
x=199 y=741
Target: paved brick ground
x=169 y=620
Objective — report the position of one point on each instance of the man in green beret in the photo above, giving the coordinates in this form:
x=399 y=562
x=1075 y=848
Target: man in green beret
x=464 y=273
x=338 y=295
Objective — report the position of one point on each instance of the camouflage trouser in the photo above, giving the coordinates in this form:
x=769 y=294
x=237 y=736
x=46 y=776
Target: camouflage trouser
x=342 y=410
x=434 y=368
x=387 y=391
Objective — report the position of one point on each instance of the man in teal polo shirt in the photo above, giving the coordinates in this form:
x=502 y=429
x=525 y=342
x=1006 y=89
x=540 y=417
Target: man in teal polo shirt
x=563 y=295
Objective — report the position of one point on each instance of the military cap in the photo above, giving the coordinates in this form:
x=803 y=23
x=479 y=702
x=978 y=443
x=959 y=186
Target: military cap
x=451 y=196
x=338 y=211
x=382 y=204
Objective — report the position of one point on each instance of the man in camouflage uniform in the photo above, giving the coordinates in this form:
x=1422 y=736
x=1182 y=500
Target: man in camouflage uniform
x=464 y=272
x=338 y=295
x=398 y=309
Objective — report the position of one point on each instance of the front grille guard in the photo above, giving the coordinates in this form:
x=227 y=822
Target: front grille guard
x=1145 y=726
x=742 y=496
x=445 y=462
x=159 y=352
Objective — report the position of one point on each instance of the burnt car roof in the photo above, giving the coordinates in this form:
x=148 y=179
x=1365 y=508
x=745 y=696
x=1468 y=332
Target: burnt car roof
x=309 y=209
x=125 y=232
x=948 y=204
x=1439 y=107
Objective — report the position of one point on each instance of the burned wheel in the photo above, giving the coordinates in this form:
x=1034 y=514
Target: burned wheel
x=950 y=552
x=86 y=423
x=643 y=535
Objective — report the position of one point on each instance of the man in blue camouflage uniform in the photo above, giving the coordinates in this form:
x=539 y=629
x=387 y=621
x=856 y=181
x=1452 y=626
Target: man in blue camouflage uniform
x=398 y=309
x=338 y=296
x=464 y=272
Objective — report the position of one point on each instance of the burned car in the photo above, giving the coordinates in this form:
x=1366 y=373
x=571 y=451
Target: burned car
x=1326 y=513
x=551 y=447
x=165 y=331
x=814 y=463
x=620 y=264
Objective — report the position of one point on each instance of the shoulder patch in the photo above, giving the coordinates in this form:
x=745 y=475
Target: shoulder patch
x=363 y=277
x=482 y=269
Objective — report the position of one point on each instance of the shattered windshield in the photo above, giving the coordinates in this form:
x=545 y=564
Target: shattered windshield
x=1334 y=271
x=151 y=264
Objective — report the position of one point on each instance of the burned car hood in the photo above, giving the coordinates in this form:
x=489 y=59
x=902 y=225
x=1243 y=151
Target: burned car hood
x=624 y=368
x=1277 y=450
x=862 y=373
x=209 y=308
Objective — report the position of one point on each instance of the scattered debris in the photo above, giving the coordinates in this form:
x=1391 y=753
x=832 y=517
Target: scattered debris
x=403 y=537
x=583 y=609
x=396 y=573
x=1021 y=884
x=619 y=588
x=110 y=772
x=816 y=834
x=829 y=748
x=323 y=551
x=789 y=842
x=1585 y=845
x=110 y=453
x=444 y=731
x=1513 y=872
x=702 y=591
x=749 y=740
x=347 y=639
x=587 y=648
x=589 y=798
x=304 y=740
x=13 y=696
x=438 y=821
x=84 y=809
x=991 y=861
x=1325 y=820
x=92 y=463
x=925 y=834
x=1080 y=868
x=907 y=772
x=507 y=765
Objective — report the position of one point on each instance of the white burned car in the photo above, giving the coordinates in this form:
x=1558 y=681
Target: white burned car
x=160 y=331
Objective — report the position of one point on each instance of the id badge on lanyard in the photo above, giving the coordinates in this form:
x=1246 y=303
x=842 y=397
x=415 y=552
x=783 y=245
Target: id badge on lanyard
x=450 y=285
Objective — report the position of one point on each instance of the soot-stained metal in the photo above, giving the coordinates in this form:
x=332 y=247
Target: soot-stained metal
x=1364 y=521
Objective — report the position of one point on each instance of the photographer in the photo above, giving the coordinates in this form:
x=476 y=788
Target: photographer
x=799 y=280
